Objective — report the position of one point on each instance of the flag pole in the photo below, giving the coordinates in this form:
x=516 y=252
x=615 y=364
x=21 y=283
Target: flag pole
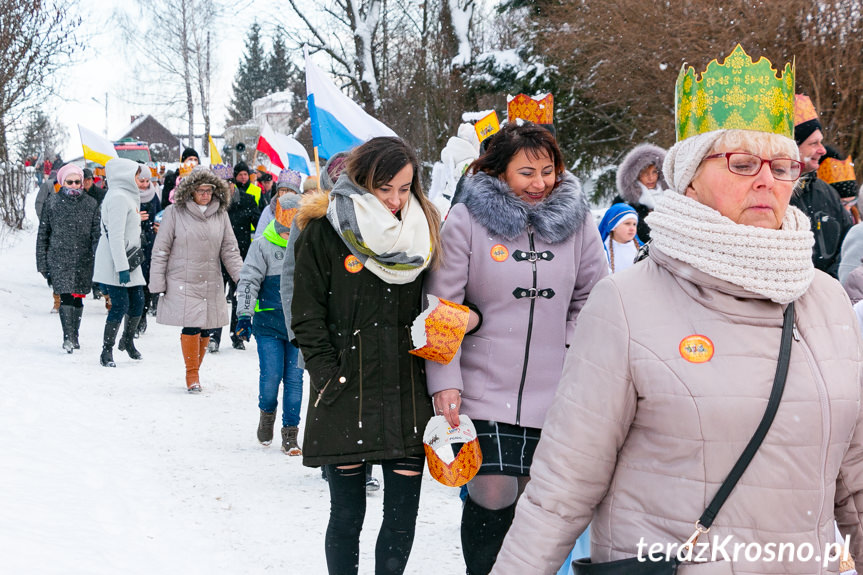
x=318 y=167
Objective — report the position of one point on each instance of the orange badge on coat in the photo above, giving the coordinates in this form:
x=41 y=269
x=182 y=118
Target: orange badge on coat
x=499 y=253
x=353 y=265
x=696 y=348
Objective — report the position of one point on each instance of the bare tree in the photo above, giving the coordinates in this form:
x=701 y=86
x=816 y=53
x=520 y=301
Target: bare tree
x=37 y=38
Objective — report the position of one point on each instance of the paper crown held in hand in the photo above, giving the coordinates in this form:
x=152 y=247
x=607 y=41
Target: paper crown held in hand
x=445 y=465
x=438 y=332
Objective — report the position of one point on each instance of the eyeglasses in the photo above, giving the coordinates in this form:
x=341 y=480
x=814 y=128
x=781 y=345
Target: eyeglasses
x=72 y=182
x=743 y=164
x=203 y=191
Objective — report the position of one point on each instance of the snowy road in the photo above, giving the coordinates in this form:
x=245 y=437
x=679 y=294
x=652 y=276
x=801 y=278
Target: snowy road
x=107 y=471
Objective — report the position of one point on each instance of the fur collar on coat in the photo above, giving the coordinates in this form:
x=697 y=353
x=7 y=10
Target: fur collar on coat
x=196 y=178
x=637 y=159
x=493 y=204
x=313 y=206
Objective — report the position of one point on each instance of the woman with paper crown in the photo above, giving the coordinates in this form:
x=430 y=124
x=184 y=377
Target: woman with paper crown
x=360 y=261
x=523 y=251
x=676 y=363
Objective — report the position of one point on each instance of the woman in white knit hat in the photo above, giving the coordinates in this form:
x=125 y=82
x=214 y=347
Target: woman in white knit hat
x=676 y=363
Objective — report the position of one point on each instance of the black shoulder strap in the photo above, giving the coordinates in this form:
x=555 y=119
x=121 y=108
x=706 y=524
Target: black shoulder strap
x=772 y=406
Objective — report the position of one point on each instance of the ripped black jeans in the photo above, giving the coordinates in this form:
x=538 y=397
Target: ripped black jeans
x=348 y=510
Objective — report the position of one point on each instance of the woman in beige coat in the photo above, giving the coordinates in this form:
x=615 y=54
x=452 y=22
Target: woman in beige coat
x=671 y=367
x=194 y=236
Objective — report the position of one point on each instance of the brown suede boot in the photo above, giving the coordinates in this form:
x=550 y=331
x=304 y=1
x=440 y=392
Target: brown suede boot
x=202 y=348
x=56 y=307
x=190 y=344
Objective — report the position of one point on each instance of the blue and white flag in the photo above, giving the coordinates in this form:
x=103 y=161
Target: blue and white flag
x=338 y=123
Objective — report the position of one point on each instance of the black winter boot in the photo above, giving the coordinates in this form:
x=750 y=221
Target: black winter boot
x=108 y=339
x=127 y=342
x=265 y=427
x=142 y=326
x=482 y=533
x=67 y=321
x=77 y=312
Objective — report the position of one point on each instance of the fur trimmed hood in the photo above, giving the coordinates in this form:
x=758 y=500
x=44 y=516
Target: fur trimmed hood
x=491 y=201
x=313 y=206
x=203 y=176
x=637 y=159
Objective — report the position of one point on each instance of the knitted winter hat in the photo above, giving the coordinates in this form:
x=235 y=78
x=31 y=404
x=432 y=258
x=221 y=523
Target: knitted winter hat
x=684 y=157
x=88 y=173
x=333 y=170
x=805 y=118
x=69 y=170
x=286 y=210
x=290 y=179
x=240 y=167
x=614 y=216
x=189 y=152
x=310 y=184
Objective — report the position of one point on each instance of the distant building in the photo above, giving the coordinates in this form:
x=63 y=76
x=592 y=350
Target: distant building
x=164 y=146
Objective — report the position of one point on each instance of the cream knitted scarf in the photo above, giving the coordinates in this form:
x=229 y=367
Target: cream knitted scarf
x=774 y=263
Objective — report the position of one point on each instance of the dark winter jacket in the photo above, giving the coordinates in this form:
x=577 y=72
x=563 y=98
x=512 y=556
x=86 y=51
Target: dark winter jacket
x=258 y=289
x=96 y=193
x=148 y=234
x=630 y=190
x=528 y=269
x=66 y=242
x=368 y=397
x=244 y=214
x=830 y=221
x=168 y=187
x=46 y=189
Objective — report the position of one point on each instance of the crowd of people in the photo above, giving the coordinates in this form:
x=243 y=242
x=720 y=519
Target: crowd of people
x=614 y=371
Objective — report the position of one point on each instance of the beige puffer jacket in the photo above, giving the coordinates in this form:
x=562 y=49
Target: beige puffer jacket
x=639 y=439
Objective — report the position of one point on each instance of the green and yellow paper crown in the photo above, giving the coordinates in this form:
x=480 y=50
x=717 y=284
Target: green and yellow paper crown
x=737 y=94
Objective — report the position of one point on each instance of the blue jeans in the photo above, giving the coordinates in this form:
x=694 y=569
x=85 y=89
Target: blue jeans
x=278 y=362
x=124 y=300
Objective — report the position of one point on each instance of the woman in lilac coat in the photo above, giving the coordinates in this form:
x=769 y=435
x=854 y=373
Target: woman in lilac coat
x=522 y=251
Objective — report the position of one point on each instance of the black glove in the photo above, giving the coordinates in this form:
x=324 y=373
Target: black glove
x=244 y=328
x=125 y=277
x=47 y=277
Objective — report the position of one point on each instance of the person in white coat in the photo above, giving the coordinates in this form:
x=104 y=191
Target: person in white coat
x=121 y=234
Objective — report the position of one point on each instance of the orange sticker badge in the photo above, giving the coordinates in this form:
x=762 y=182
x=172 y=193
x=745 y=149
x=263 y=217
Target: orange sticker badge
x=499 y=253
x=696 y=348
x=352 y=264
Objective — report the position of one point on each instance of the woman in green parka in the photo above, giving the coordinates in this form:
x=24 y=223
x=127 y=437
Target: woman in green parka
x=357 y=288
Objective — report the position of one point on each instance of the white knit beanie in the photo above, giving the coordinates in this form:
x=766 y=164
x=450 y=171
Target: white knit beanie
x=684 y=157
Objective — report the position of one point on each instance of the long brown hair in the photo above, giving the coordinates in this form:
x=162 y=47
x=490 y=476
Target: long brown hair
x=377 y=161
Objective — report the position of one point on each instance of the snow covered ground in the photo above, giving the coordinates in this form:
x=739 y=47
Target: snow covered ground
x=107 y=471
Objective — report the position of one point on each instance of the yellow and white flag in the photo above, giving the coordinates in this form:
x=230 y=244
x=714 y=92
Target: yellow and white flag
x=96 y=148
x=215 y=157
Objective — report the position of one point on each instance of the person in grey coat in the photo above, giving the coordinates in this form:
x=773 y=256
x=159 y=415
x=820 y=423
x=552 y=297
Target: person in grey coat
x=121 y=232
x=194 y=237
x=65 y=248
x=640 y=183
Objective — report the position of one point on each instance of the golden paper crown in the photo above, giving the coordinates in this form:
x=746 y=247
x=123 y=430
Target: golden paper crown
x=536 y=110
x=737 y=94
x=832 y=170
x=804 y=109
x=444 y=324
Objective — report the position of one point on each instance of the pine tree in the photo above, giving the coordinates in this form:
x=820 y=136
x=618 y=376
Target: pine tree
x=41 y=136
x=251 y=81
x=279 y=68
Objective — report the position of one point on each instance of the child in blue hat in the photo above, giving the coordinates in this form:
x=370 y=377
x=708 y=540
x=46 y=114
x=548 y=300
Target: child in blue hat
x=619 y=237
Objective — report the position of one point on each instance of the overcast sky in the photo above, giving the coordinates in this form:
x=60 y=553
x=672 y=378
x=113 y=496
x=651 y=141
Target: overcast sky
x=105 y=68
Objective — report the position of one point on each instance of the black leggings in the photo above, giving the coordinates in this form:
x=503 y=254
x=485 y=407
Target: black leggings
x=195 y=331
x=348 y=510
x=69 y=299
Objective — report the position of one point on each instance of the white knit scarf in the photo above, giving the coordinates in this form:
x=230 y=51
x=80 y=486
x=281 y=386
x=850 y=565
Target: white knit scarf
x=774 y=263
